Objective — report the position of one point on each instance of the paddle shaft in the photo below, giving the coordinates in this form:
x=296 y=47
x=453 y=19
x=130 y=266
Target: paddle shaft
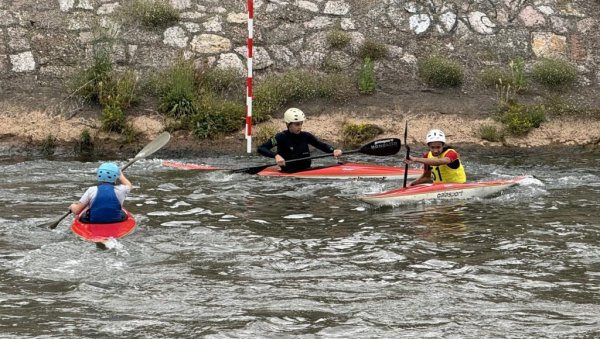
x=407 y=152
x=152 y=147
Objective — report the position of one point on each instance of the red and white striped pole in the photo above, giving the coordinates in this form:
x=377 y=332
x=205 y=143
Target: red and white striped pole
x=249 y=79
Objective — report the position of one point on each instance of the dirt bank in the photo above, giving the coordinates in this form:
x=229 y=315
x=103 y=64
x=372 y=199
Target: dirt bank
x=25 y=126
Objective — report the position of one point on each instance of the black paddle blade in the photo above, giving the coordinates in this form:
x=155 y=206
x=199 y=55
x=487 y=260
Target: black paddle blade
x=382 y=147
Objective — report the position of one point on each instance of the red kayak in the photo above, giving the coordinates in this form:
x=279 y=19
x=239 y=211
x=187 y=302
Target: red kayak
x=338 y=171
x=430 y=192
x=99 y=233
x=346 y=171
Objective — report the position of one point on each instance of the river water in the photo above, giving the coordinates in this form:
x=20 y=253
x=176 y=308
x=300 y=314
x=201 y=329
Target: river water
x=221 y=255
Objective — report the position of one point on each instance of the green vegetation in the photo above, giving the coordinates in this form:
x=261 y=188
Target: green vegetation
x=366 y=77
x=275 y=91
x=100 y=84
x=555 y=74
x=355 y=135
x=177 y=90
x=519 y=80
x=519 y=119
x=560 y=107
x=217 y=116
x=441 y=72
x=491 y=133
x=496 y=76
x=151 y=14
x=512 y=76
x=48 y=145
x=85 y=144
x=338 y=39
x=373 y=50
x=264 y=132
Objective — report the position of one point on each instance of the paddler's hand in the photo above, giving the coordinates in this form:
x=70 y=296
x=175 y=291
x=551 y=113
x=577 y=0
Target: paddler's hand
x=337 y=153
x=408 y=160
x=279 y=160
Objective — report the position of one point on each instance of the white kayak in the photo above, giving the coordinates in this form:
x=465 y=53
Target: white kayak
x=431 y=192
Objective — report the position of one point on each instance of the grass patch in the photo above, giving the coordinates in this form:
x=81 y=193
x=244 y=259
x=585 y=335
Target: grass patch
x=512 y=75
x=264 y=132
x=177 y=91
x=495 y=76
x=48 y=145
x=354 y=135
x=85 y=144
x=559 y=107
x=337 y=87
x=373 y=50
x=338 y=39
x=555 y=74
x=217 y=116
x=273 y=92
x=151 y=14
x=100 y=84
x=491 y=133
x=366 y=77
x=519 y=119
x=441 y=72
x=221 y=81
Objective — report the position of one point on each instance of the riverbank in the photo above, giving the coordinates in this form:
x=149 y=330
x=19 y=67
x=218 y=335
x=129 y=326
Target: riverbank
x=26 y=126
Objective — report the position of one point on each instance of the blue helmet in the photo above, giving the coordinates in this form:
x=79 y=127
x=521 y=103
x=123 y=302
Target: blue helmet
x=108 y=172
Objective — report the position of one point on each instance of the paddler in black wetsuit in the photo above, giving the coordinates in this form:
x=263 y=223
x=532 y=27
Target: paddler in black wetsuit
x=293 y=144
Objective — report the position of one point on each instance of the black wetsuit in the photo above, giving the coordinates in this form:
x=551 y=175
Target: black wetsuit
x=293 y=146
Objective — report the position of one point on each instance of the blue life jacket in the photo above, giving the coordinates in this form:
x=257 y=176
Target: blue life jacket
x=106 y=207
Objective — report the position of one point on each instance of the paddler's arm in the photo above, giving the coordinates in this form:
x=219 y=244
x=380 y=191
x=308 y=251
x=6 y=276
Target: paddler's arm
x=78 y=206
x=265 y=150
x=323 y=146
x=125 y=181
x=429 y=161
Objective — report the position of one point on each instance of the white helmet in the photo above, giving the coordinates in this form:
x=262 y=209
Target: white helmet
x=436 y=135
x=293 y=115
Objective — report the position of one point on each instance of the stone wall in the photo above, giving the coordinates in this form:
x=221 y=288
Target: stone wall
x=42 y=43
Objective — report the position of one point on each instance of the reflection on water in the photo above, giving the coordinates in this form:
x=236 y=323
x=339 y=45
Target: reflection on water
x=229 y=255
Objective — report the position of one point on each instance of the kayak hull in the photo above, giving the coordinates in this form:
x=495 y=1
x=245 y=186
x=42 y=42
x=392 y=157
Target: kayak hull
x=345 y=171
x=339 y=171
x=434 y=192
x=102 y=232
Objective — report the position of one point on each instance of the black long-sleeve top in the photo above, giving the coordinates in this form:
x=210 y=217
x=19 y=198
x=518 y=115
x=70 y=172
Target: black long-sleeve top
x=293 y=146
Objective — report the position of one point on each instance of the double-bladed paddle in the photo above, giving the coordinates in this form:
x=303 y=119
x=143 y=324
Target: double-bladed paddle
x=381 y=147
x=152 y=147
x=407 y=152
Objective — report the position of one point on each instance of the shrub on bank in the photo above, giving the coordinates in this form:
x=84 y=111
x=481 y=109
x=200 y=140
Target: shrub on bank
x=177 y=90
x=99 y=83
x=555 y=74
x=85 y=144
x=355 y=135
x=217 y=116
x=519 y=119
x=48 y=145
x=275 y=91
x=490 y=133
x=512 y=76
x=337 y=87
x=441 y=72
